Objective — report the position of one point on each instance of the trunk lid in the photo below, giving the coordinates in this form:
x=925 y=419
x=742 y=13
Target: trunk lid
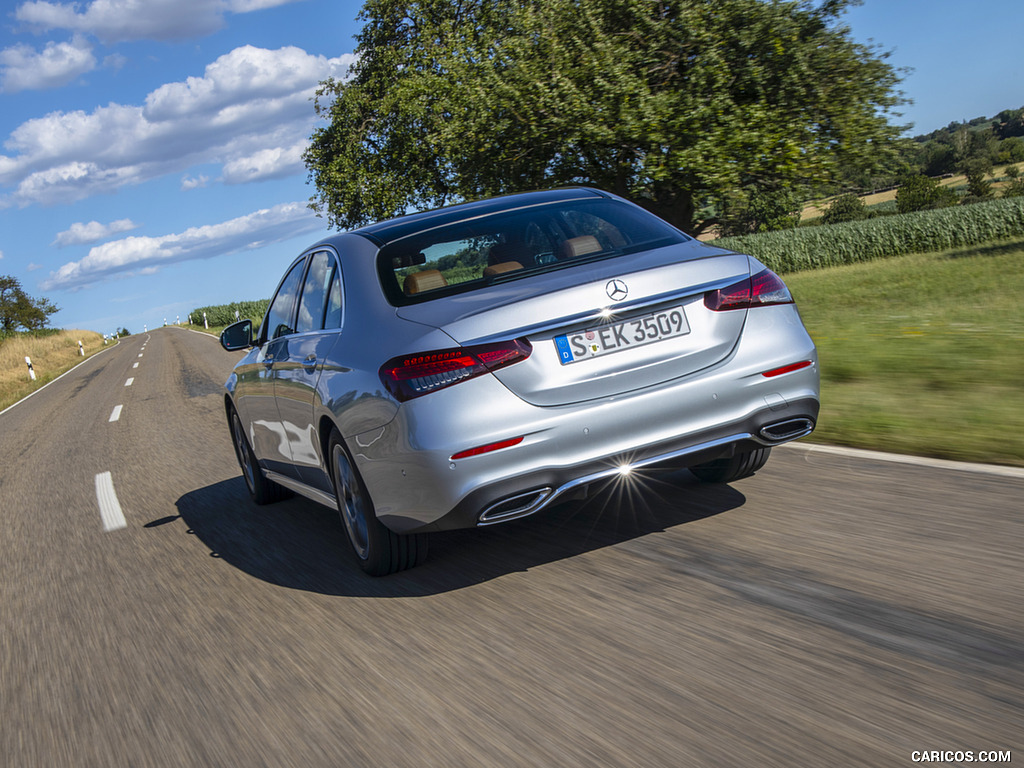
x=604 y=328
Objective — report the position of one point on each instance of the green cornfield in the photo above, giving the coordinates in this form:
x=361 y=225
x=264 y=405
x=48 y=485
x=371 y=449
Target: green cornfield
x=796 y=250
x=224 y=314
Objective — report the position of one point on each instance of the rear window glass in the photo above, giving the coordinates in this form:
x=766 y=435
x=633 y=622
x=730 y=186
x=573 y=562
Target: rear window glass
x=475 y=253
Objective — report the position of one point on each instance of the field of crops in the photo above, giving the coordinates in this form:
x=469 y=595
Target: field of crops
x=224 y=314
x=796 y=250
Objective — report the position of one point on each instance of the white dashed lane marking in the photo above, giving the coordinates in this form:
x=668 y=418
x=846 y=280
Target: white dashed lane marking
x=129 y=382
x=135 y=365
x=116 y=413
x=110 y=509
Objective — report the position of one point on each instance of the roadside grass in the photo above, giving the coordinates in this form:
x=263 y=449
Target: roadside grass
x=51 y=354
x=922 y=354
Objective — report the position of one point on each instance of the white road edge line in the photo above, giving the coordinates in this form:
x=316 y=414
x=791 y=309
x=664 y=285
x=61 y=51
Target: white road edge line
x=190 y=330
x=129 y=382
x=110 y=509
x=116 y=413
x=920 y=461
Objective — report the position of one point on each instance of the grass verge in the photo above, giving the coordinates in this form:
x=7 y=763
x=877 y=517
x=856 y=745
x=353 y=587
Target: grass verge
x=51 y=354
x=922 y=354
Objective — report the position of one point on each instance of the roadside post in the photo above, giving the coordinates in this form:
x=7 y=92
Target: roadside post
x=206 y=325
x=81 y=349
x=31 y=372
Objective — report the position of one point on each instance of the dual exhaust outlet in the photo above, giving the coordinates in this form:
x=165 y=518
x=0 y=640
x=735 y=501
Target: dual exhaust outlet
x=533 y=501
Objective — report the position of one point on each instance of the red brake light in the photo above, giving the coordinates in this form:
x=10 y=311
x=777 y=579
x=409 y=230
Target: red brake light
x=761 y=290
x=410 y=376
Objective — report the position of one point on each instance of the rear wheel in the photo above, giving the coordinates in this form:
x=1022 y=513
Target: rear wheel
x=378 y=550
x=732 y=468
x=262 y=490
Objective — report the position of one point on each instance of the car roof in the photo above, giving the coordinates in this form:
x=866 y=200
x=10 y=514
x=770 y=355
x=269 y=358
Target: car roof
x=389 y=231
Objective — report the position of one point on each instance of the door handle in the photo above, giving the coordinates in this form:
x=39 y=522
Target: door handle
x=309 y=363
x=268 y=361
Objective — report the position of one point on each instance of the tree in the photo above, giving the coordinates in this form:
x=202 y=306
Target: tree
x=978 y=187
x=683 y=106
x=763 y=210
x=1016 y=186
x=921 y=193
x=19 y=310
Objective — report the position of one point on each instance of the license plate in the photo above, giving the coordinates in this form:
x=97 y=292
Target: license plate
x=615 y=337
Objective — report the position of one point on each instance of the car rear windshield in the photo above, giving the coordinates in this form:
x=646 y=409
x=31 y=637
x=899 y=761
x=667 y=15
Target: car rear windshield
x=511 y=245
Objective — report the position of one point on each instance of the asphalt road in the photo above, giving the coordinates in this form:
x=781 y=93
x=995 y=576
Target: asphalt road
x=829 y=611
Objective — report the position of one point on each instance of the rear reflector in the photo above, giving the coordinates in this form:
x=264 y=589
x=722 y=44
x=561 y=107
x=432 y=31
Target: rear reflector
x=410 y=376
x=786 y=369
x=487 y=448
x=761 y=290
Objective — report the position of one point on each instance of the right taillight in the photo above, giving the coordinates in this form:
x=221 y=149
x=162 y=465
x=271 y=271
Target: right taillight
x=410 y=376
x=760 y=290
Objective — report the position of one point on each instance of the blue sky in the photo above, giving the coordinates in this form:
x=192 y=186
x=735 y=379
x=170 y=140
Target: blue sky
x=150 y=150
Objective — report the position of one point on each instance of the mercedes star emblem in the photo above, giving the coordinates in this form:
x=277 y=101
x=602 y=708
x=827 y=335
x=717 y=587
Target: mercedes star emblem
x=616 y=290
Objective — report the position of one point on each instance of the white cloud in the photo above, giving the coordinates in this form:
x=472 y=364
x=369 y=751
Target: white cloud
x=250 y=111
x=121 y=20
x=22 y=68
x=93 y=232
x=265 y=164
x=1 y=254
x=197 y=182
x=146 y=254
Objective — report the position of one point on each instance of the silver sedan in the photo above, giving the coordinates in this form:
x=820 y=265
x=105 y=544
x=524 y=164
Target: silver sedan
x=478 y=363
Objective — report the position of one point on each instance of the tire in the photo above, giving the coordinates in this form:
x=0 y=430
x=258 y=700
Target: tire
x=262 y=490
x=732 y=468
x=378 y=550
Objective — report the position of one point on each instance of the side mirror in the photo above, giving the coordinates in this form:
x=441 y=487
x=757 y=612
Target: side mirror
x=237 y=336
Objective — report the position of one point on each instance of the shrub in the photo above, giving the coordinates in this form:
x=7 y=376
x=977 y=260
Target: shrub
x=921 y=193
x=846 y=207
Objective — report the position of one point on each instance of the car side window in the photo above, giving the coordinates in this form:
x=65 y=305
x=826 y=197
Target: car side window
x=282 y=309
x=315 y=293
x=332 y=319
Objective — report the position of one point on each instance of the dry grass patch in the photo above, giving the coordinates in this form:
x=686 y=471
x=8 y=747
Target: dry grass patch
x=51 y=354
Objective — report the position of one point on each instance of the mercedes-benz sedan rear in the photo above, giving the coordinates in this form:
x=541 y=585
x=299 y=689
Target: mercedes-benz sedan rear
x=475 y=364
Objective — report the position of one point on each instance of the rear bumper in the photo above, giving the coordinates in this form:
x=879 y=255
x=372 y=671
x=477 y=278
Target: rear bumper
x=527 y=494
x=416 y=486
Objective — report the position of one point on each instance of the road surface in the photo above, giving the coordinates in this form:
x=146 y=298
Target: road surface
x=831 y=610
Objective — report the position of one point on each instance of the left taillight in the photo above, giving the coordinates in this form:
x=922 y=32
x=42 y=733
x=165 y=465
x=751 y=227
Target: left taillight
x=760 y=290
x=410 y=376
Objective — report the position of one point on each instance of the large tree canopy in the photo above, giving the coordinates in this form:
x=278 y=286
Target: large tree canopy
x=682 y=106
x=19 y=310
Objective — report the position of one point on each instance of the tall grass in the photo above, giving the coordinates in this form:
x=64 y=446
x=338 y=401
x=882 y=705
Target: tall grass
x=52 y=353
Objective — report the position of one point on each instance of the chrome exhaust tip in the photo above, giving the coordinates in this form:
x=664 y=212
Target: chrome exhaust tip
x=520 y=505
x=790 y=429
